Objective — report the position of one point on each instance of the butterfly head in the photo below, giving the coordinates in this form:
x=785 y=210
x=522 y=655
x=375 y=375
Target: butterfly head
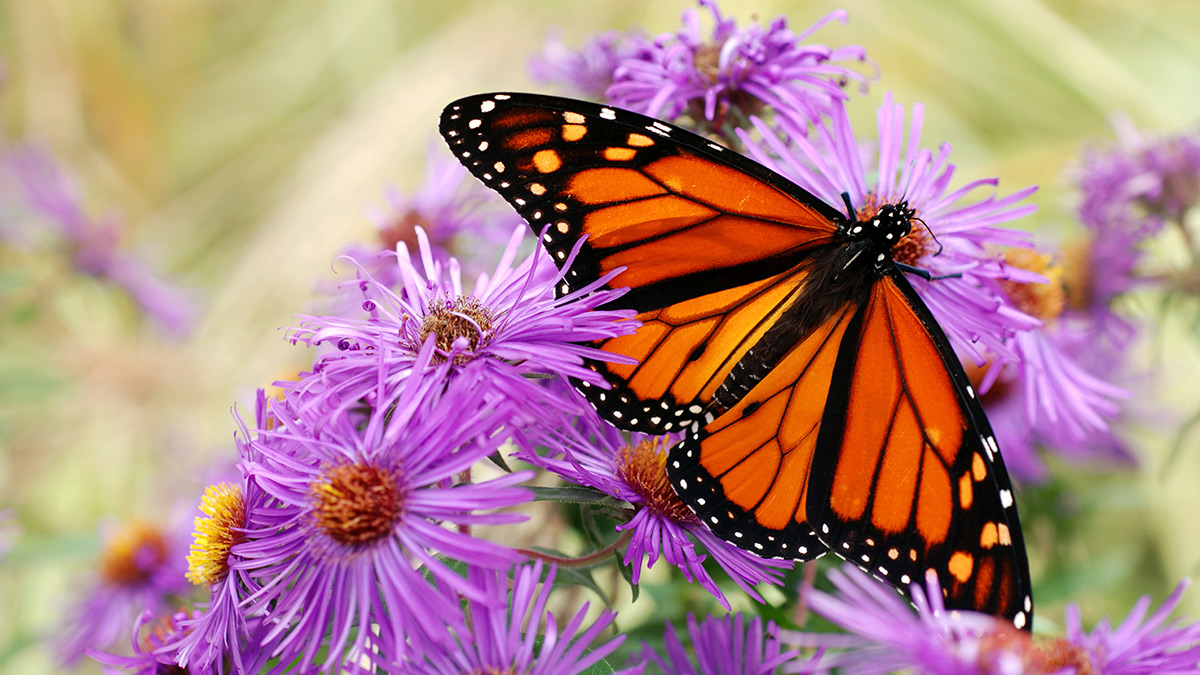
x=883 y=229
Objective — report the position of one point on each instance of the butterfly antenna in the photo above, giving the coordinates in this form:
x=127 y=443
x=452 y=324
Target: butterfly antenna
x=931 y=234
x=851 y=214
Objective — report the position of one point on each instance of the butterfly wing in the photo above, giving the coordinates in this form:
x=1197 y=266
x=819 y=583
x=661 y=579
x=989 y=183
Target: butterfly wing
x=707 y=241
x=907 y=477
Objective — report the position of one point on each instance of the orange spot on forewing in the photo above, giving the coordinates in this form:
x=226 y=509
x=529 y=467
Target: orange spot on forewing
x=978 y=468
x=546 y=161
x=989 y=536
x=527 y=140
x=966 y=494
x=961 y=565
x=619 y=154
x=640 y=140
x=573 y=132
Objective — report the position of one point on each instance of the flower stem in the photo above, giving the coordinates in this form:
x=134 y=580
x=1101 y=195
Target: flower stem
x=583 y=561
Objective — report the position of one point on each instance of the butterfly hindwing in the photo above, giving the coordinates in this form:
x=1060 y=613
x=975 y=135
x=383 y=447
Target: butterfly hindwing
x=907 y=477
x=706 y=240
x=746 y=471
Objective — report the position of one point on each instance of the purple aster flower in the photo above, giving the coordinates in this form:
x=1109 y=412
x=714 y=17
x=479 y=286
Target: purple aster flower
x=1139 y=646
x=155 y=654
x=597 y=455
x=588 y=71
x=46 y=191
x=959 y=229
x=886 y=636
x=366 y=492
x=736 y=72
x=513 y=632
x=1051 y=397
x=141 y=567
x=509 y=327
x=1142 y=183
x=152 y=654
x=1096 y=273
x=222 y=631
x=725 y=646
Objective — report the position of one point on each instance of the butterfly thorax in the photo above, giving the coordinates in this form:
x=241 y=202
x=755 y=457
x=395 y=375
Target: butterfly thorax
x=838 y=278
x=874 y=237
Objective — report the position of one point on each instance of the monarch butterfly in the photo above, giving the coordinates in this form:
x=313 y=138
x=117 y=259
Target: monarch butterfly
x=823 y=406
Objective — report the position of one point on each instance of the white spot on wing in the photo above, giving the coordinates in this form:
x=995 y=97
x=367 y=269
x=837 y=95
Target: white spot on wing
x=1006 y=499
x=608 y=113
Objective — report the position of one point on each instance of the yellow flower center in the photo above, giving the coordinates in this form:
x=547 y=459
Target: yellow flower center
x=1044 y=301
x=643 y=467
x=225 y=508
x=356 y=504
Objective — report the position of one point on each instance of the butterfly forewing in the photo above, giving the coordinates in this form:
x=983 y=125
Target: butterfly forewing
x=706 y=240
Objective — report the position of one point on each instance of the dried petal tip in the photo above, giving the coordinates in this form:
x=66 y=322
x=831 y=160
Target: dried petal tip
x=225 y=506
x=464 y=317
x=133 y=555
x=357 y=503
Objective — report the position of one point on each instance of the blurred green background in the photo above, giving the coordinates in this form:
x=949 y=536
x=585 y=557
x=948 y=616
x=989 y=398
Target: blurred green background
x=240 y=140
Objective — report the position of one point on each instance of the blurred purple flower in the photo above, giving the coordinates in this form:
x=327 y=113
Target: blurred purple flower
x=588 y=71
x=508 y=328
x=513 y=632
x=725 y=646
x=152 y=655
x=736 y=72
x=1141 y=183
x=886 y=636
x=1050 y=398
x=596 y=454
x=44 y=190
x=1139 y=646
x=458 y=214
x=958 y=230
x=141 y=567
x=366 y=490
